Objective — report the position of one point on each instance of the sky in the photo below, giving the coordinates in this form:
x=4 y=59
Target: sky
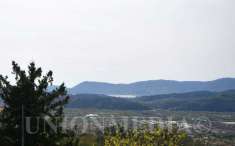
x=120 y=41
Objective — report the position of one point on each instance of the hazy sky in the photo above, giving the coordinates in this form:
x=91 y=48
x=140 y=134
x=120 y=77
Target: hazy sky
x=120 y=40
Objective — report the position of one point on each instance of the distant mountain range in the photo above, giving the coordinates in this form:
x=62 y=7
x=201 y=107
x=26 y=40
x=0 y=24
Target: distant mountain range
x=192 y=101
x=153 y=87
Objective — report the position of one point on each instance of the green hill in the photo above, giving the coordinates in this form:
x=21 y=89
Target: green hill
x=192 y=101
x=104 y=102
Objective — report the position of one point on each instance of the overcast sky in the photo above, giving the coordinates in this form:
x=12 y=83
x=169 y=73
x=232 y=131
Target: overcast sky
x=120 y=41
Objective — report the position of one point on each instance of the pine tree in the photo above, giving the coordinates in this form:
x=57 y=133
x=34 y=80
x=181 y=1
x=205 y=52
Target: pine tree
x=29 y=97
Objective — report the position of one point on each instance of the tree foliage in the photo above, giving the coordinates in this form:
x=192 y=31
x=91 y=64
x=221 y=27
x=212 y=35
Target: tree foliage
x=117 y=136
x=29 y=96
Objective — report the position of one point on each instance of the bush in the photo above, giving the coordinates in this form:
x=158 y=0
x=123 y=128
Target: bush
x=117 y=136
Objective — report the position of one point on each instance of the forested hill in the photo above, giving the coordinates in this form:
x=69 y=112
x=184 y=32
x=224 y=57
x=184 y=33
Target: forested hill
x=193 y=101
x=103 y=102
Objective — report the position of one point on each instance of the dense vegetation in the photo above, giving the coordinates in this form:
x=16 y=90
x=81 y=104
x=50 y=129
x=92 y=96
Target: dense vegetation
x=28 y=97
x=104 y=102
x=193 y=101
x=144 y=137
x=118 y=136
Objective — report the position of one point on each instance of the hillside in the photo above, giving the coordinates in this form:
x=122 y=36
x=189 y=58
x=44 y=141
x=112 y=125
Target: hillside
x=193 y=101
x=153 y=87
x=104 y=102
